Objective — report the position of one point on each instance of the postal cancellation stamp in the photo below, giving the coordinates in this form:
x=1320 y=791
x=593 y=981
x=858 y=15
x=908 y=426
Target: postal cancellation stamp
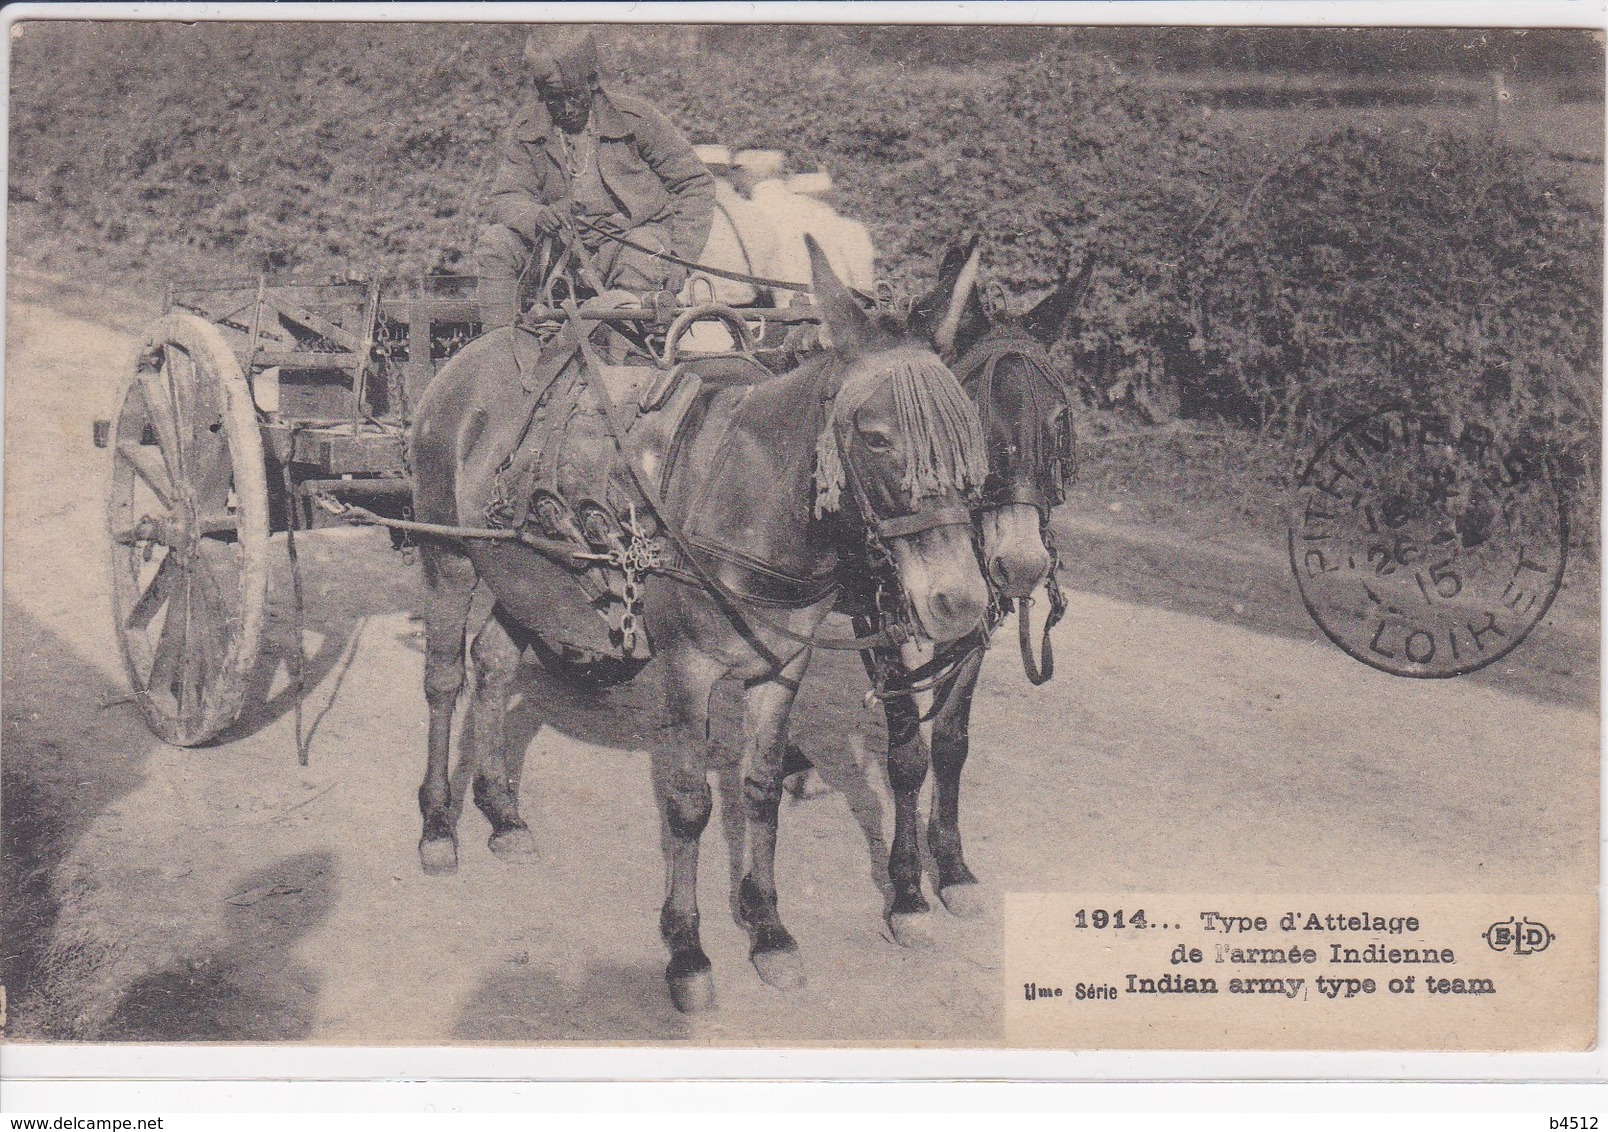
x=1426 y=549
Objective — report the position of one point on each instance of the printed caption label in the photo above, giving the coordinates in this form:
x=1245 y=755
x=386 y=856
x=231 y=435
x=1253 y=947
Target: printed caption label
x=1321 y=972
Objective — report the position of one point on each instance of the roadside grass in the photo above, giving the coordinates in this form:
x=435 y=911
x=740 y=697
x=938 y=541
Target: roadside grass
x=1219 y=483
x=1226 y=488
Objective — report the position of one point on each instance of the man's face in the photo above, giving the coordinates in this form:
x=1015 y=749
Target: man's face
x=567 y=104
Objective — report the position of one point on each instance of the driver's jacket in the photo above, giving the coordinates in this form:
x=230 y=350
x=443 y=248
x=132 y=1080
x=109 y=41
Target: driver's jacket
x=647 y=167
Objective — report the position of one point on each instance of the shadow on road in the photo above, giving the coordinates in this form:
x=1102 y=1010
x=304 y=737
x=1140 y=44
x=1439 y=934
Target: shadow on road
x=347 y=576
x=607 y=1003
x=849 y=749
x=827 y=722
x=67 y=760
x=251 y=989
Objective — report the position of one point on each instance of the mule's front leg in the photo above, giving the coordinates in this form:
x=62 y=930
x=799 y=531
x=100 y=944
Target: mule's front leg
x=907 y=771
x=686 y=802
x=449 y=580
x=951 y=740
x=765 y=710
x=496 y=657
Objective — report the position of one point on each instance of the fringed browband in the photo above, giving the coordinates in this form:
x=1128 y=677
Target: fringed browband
x=938 y=429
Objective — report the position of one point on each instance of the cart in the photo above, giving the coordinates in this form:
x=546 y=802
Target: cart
x=248 y=401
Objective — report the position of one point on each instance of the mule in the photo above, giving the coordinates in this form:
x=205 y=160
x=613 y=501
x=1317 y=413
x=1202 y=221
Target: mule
x=767 y=495
x=1025 y=407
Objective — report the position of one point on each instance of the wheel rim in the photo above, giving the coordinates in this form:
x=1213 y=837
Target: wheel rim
x=187 y=523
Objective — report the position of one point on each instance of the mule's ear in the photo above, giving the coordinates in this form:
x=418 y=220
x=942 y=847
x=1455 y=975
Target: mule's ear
x=962 y=293
x=1048 y=320
x=954 y=258
x=927 y=312
x=848 y=328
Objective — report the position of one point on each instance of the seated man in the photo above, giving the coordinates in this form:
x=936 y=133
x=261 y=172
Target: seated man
x=578 y=150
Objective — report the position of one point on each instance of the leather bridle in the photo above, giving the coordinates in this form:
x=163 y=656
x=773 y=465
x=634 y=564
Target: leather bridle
x=1045 y=491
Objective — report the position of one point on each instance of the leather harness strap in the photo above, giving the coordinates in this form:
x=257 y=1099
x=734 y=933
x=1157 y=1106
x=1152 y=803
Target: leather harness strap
x=905 y=525
x=650 y=492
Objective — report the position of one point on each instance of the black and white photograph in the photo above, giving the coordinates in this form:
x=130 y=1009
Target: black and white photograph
x=768 y=535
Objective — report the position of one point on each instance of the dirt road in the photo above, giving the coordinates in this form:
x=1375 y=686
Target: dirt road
x=224 y=893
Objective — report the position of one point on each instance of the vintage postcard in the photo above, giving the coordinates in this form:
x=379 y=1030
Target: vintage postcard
x=802 y=535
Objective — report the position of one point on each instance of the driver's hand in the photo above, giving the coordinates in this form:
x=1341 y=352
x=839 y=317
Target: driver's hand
x=538 y=219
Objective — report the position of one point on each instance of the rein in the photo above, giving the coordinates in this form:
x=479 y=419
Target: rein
x=936 y=676
x=720 y=273
x=1040 y=672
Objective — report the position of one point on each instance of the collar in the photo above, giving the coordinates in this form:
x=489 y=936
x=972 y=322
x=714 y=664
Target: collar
x=609 y=120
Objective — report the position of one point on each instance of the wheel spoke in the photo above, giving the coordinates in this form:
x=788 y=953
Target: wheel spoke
x=159 y=590
x=149 y=466
x=178 y=405
x=192 y=662
x=211 y=562
x=211 y=470
x=170 y=645
x=157 y=392
x=214 y=617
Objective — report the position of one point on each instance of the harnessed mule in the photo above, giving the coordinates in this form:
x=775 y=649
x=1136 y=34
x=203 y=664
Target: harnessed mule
x=1025 y=410
x=765 y=496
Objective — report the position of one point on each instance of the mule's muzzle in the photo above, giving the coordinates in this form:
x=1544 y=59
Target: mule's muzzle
x=1014 y=550
x=937 y=565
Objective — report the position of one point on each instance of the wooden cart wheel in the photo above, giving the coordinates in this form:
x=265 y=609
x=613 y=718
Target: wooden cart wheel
x=188 y=518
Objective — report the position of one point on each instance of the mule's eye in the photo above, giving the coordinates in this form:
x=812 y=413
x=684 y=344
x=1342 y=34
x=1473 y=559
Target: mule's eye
x=879 y=442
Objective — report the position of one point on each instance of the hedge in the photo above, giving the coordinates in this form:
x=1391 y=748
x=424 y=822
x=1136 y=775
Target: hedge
x=1282 y=290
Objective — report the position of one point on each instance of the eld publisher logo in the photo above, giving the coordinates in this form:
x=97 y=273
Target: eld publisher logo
x=1522 y=937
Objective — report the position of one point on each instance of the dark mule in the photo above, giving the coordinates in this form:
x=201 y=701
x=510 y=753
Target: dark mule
x=1025 y=407
x=872 y=439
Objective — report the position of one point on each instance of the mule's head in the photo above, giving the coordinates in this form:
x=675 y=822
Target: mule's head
x=903 y=448
x=1024 y=404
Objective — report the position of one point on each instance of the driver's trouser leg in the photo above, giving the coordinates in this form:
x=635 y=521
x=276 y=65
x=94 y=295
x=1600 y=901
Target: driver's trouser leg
x=501 y=256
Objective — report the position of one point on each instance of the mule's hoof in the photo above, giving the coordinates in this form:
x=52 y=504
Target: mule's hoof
x=516 y=842
x=912 y=930
x=782 y=968
x=439 y=856
x=966 y=901
x=693 y=993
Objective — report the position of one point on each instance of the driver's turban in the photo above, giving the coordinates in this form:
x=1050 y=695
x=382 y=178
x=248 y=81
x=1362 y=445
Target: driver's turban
x=562 y=57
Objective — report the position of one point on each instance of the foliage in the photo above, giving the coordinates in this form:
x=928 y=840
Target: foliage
x=1441 y=271
x=1282 y=289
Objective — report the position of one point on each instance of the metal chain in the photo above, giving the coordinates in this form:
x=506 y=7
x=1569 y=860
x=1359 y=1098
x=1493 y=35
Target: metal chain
x=640 y=555
x=1052 y=582
x=385 y=350
x=891 y=606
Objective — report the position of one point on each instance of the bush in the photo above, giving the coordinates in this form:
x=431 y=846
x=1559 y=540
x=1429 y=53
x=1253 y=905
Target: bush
x=1283 y=290
x=1444 y=272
